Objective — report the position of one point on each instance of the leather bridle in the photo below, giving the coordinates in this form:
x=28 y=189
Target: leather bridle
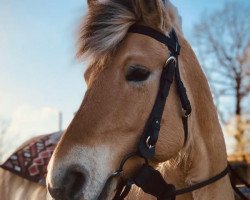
x=147 y=178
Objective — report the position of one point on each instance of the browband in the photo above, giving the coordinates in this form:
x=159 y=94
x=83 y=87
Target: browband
x=171 y=42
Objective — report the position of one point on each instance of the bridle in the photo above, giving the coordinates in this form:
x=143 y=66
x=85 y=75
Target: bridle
x=147 y=178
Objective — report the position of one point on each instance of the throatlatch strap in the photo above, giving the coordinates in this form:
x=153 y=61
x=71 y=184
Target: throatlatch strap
x=151 y=182
x=185 y=103
x=203 y=183
x=185 y=128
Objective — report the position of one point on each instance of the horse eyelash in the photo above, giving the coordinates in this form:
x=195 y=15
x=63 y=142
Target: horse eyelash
x=137 y=74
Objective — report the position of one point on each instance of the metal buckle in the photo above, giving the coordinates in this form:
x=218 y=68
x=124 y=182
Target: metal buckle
x=149 y=146
x=184 y=113
x=116 y=173
x=124 y=160
x=171 y=58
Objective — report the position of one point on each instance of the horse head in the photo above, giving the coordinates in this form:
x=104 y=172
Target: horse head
x=123 y=78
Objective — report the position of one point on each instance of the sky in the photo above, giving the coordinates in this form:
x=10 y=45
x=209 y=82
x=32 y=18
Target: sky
x=39 y=75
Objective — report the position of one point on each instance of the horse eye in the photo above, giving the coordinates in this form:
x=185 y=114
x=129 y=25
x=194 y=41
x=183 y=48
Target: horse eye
x=137 y=74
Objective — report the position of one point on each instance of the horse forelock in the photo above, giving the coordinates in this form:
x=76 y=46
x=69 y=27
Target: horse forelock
x=107 y=22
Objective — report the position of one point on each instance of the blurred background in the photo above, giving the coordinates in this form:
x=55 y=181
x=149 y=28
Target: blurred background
x=41 y=83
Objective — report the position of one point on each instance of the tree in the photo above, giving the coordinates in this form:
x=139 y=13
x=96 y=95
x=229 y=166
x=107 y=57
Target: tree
x=223 y=43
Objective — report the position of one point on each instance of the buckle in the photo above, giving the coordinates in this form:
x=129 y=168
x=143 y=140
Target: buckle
x=185 y=113
x=149 y=146
x=171 y=59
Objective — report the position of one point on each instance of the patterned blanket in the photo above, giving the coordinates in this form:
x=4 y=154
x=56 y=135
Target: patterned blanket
x=31 y=161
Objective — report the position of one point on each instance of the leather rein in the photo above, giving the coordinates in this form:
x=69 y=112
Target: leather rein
x=147 y=178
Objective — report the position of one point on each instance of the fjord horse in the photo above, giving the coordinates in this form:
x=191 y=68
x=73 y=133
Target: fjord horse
x=123 y=80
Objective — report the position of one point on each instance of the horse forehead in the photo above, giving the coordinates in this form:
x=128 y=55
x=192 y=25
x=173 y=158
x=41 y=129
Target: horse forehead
x=146 y=45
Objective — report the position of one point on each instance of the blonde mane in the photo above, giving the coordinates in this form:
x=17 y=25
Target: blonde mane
x=108 y=21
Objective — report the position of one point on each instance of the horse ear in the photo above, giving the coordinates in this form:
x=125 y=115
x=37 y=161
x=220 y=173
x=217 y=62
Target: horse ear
x=90 y=2
x=151 y=11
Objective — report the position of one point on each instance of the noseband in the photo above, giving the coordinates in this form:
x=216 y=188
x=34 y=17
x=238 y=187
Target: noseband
x=147 y=178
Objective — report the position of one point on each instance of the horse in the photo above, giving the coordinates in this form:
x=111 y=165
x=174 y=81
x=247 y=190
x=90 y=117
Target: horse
x=123 y=80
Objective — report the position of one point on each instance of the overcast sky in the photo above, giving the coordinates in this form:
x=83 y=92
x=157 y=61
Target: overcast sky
x=39 y=75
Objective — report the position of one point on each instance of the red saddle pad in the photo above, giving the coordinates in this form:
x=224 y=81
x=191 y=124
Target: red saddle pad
x=31 y=161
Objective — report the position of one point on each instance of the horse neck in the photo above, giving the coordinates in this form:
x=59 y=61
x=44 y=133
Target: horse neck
x=206 y=151
x=207 y=158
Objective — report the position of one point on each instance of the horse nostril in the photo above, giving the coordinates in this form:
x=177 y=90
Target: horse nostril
x=74 y=183
x=56 y=193
x=71 y=187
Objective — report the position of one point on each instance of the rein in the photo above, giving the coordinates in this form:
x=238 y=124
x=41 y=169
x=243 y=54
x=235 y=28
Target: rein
x=147 y=178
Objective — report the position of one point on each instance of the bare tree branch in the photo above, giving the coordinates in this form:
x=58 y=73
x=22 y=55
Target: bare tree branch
x=223 y=43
